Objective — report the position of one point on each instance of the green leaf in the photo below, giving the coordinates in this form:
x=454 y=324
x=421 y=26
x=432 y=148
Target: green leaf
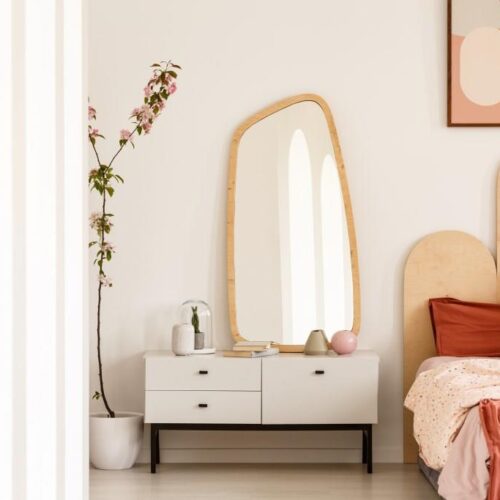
x=98 y=187
x=92 y=243
x=108 y=255
x=172 y=73
x=155 y=65
x=176 y=66
x=96 y=395
x=145 y=100
x=110 y=190
x=139 y=130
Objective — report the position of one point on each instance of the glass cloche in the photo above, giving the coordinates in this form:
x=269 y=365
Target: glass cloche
x=198 y=314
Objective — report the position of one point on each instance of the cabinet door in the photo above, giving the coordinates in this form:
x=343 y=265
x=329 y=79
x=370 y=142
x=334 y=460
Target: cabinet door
x=319 y=390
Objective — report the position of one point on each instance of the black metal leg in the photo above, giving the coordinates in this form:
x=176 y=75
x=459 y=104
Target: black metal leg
x=158 y=446
x=369 y=457
x=364 y=434
x=366 y=429
x=154 y=449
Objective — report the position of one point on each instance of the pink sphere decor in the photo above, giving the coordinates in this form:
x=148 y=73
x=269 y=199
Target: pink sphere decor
x=344 y=342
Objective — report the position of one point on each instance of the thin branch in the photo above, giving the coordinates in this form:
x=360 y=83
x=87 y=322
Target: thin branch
x=95 y=150
x=122 y=146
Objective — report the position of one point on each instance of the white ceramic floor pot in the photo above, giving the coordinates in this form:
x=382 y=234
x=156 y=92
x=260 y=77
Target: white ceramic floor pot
x=115 y=443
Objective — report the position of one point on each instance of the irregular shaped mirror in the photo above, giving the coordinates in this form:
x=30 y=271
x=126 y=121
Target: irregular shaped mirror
x=292 y=260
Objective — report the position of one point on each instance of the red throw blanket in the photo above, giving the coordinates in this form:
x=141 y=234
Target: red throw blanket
x=489 y=411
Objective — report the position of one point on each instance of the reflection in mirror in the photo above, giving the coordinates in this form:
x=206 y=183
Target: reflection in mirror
x=292 y=254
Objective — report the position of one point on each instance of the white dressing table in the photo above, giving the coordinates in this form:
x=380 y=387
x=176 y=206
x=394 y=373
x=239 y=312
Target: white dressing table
x=282 y=392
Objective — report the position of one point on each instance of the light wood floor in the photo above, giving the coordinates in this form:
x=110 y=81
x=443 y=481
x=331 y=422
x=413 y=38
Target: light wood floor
x=261 y=482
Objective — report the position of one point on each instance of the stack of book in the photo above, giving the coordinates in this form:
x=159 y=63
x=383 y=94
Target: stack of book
x=252 y=349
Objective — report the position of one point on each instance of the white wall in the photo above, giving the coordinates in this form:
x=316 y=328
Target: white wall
x=382 y=68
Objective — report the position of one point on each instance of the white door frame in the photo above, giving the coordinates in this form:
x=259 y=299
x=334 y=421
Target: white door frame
x=43 y=259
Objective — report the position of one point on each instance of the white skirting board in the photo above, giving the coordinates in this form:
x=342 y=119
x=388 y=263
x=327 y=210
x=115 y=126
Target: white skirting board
x=270 y=455
x=264 y=447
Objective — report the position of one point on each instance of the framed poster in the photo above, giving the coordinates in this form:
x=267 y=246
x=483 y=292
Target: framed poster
x=473 y=63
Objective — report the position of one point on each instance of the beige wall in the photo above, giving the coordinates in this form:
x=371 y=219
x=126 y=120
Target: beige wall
x=382 y=68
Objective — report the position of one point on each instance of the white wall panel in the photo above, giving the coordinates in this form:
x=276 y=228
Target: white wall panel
x=43 y=312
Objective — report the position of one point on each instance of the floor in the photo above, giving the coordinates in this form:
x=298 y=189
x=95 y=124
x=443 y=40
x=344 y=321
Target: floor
x=261 y=482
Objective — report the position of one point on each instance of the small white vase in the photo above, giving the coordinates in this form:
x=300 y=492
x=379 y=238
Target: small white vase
x=183 y=339
x=115 y=443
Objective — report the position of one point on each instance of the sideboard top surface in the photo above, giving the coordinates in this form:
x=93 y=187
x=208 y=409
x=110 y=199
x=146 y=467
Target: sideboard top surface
x=361 y=353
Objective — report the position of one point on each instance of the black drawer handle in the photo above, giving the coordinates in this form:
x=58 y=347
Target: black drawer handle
x=202 y=405
x=319 y=372
x=203 y=372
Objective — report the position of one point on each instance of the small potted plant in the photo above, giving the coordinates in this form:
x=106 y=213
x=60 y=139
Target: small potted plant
x=116 y=437
x=199 y=337
x=197 y=314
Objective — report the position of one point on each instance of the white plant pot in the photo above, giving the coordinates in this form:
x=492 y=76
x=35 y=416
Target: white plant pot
x=115 y=443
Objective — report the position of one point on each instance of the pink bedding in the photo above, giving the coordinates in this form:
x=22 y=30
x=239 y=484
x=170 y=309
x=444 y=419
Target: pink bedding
x=465 y=474
x=489 y=411
x=434 y=362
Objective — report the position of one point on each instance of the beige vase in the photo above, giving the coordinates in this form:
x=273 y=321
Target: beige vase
x=317 y=343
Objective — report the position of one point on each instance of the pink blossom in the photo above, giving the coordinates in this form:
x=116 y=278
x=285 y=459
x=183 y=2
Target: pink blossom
x=93 y=132
x=146 y=112
x=148 y=90
x=135 y=112
x=94 y=219
x=105 y=281
x=161 y=104
x=93 y=172
x=126 y=135
x=92 y=113
x=146 y=126
x=172 y=88
x=108 y=247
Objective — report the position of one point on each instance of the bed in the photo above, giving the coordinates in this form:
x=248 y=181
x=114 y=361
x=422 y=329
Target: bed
x=443 y=264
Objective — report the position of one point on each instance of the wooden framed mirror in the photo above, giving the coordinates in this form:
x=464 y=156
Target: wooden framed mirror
x=292 y=260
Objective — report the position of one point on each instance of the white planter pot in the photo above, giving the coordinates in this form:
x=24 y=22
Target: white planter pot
x=115 y=443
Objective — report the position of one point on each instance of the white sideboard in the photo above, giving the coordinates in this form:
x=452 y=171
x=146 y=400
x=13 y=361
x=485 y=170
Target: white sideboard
x=283 y=392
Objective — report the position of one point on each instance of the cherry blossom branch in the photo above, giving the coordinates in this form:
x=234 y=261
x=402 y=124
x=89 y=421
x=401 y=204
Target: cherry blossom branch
x=158 y=89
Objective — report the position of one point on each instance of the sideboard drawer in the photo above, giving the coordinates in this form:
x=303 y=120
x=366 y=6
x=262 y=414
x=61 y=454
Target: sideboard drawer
x=202 y=373
x=320 y=390
x=203 y=407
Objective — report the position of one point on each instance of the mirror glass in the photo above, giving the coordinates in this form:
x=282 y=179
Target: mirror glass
x=292 y=255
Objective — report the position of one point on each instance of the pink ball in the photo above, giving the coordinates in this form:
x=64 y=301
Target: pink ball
x=344 y=342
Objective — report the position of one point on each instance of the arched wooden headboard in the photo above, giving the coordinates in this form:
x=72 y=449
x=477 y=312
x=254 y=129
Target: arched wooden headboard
x=446 y=263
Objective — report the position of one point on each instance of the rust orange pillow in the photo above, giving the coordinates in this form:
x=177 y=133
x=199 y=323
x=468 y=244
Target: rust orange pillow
x=465 y=328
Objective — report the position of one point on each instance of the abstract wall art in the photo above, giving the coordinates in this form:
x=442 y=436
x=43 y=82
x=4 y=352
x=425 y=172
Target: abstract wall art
x=474 y=63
